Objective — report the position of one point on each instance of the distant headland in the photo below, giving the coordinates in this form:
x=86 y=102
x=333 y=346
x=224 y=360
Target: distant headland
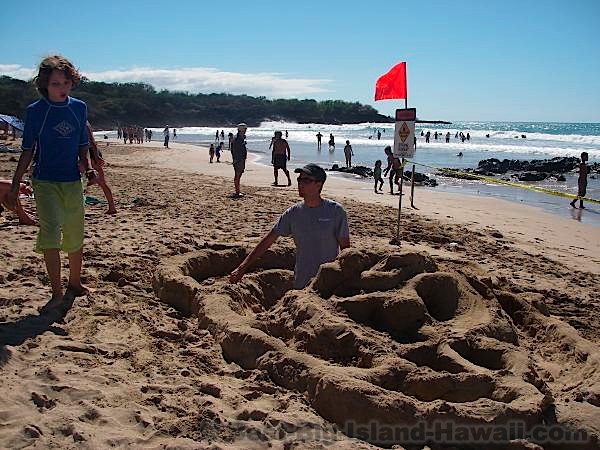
x=110 y=104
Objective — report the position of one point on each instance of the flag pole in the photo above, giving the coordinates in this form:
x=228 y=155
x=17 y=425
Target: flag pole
x=401 y=180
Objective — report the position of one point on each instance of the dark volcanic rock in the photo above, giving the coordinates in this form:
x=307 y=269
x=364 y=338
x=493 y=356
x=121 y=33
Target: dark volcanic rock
x=558 y=164
x=357 y=170
x=420 y=178
x=532 y=176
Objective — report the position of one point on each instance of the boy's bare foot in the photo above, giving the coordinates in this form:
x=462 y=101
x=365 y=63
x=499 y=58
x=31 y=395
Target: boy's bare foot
x=79 y=291
x=55 y=303
x=28 y=221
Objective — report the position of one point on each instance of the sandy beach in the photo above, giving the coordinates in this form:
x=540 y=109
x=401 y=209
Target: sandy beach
x=487 y=314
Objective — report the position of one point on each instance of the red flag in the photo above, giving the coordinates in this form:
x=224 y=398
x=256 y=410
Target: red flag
x=392 y=84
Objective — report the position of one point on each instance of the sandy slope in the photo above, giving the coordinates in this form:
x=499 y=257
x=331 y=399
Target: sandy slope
x=466 y=322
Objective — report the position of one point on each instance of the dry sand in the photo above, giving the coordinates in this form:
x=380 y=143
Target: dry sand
x=488 y=313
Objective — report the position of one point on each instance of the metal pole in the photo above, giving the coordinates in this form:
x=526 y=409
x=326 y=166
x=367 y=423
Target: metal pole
x=412 y=188
x=400 y=203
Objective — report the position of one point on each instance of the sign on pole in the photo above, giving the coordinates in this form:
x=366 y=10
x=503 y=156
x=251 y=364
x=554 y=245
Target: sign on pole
x=404 y=133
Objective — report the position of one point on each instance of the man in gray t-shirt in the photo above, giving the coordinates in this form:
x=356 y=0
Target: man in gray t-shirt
x=319 y=228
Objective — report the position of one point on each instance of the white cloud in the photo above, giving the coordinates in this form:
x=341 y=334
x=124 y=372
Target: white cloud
x=199 y=80
x=16 y=71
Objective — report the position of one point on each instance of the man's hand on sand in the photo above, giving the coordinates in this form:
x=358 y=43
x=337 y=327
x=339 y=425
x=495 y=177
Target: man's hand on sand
x=236 y=275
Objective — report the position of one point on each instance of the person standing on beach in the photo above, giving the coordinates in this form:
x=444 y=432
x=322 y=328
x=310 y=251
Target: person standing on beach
x=331 y=142
x=55 y=126
x=211 y=152
x=174 y=133
x=394 y=167
x=319 y=136
x=581 y=181
x=280 y=156
x=98 y=165
x=239 y=153
x=319 y=227
x=377 y=177
x=348 y=153
x=166 y=135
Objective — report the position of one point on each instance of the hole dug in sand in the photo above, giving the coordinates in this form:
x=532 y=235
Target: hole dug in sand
x=378 y=337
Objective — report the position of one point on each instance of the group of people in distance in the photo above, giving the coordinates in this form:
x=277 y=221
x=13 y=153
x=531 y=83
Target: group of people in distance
x=134 y=133
x=458 y=135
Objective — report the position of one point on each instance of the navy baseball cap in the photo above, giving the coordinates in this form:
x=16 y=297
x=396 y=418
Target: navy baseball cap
x=314 y=171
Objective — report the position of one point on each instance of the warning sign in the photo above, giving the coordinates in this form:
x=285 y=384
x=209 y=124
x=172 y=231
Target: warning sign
x=404 y=133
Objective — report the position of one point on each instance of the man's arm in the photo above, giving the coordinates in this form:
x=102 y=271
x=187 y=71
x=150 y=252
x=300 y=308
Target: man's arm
x=22 y=165
x=258 y=251
x=287 y=149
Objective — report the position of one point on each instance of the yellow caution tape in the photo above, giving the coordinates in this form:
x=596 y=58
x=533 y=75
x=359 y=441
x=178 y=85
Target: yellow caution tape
x=507 y=183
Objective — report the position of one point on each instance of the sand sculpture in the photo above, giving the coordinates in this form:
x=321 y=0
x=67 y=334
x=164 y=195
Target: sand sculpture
x=383 y=342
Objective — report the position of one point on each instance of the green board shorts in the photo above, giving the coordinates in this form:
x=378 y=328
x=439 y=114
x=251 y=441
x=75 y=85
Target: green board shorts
x=60 y=214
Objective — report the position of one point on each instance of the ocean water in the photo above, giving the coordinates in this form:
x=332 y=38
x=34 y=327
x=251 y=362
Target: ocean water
x=542 y=141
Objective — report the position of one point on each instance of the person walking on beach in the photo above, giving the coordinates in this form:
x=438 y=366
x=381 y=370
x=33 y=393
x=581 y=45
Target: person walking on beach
x=166 y=135
x=394 y=167
x=98 y=164
x=280 y=156
x=239 y=153
x=319 y=227
x=230 y=141
x=319 y=136
x=55 y=126
x=218 y=149
x=377 y=177
x=348 y=153
x=174 y=133
x=331 y=142
x=581 y=181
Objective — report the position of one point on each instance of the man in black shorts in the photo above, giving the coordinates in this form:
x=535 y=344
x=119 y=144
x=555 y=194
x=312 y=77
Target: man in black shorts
x=280 y=157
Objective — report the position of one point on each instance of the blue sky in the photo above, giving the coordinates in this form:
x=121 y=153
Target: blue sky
x=466 y=60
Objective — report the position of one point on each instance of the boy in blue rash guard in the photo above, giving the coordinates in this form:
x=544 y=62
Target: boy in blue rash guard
x=56 y=127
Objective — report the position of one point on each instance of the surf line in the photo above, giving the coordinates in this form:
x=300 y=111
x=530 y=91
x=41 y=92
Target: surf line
x=472 y=176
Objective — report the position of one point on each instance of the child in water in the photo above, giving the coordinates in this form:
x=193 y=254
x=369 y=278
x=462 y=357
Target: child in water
x=377 y=176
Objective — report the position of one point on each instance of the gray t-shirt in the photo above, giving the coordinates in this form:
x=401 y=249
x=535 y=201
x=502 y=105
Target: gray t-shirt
x=316 y=232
